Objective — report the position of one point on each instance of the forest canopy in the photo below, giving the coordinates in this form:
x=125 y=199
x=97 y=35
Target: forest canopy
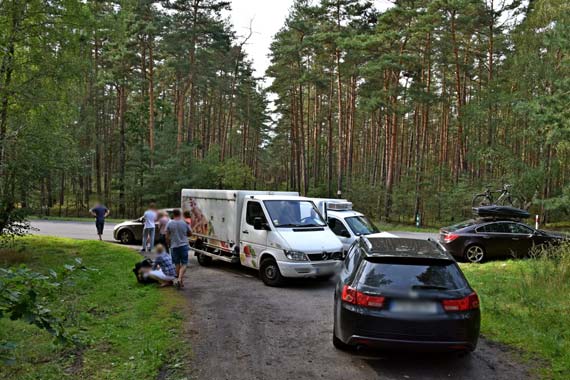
x=406 y=111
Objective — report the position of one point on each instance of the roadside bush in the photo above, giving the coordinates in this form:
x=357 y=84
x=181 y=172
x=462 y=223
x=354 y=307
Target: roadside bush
x=27 y=295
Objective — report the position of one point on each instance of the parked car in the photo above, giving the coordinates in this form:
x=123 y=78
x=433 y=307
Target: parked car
x=347 y=224
x=484 y=238
x=399 y=293
x=130 y=231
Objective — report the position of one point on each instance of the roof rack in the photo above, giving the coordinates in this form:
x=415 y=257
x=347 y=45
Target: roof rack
x=501 y=212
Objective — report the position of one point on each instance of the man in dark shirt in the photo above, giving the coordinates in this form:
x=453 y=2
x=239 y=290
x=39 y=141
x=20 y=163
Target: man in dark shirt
x=100 y=212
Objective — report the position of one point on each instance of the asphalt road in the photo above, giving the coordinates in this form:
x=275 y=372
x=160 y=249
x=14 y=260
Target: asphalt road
x=240 y=329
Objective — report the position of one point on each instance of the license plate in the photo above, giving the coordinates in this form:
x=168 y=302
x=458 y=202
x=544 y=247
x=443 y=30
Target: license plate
x=424 y=307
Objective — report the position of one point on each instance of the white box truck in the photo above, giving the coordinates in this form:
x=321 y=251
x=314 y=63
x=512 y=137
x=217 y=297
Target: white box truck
x=278 y=233
x=346 y=223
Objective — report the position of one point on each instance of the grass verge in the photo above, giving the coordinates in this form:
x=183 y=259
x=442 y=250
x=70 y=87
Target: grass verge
x=526 y=304
x=125 y=330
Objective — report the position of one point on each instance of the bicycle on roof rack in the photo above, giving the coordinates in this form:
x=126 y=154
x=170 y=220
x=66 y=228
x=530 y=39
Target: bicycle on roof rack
x=505 y=198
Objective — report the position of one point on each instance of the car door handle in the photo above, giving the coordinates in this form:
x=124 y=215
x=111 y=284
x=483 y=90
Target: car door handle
x=515 y=238
x=245 y=232
x=486 y=237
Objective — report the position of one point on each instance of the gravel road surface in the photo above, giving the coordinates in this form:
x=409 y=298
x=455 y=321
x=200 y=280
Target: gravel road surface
x=240 y=329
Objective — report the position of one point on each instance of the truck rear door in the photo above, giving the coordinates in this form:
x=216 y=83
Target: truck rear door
x=252 y=241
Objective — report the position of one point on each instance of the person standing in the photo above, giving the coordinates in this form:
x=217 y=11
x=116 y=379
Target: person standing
x=100 y=212
x=163 y=220
x=177 y=233
x=149 y=228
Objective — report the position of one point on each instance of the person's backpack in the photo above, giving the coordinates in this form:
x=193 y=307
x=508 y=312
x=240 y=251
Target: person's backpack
x=138 y=271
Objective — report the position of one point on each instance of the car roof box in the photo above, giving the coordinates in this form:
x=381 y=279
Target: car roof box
x=500 y=212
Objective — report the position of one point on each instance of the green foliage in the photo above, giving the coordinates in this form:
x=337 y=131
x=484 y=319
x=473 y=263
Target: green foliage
x=13 y=223
x=121 y=330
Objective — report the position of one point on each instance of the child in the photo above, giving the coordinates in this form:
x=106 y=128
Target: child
x=188 y=217
x=163 y=220
x=163 y=270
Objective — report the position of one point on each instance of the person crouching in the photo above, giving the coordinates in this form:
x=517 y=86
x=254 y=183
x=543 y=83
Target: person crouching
x=163 y=269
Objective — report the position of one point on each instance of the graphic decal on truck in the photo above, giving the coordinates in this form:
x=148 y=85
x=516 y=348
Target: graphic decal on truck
x=247 y=256
x=200 y=224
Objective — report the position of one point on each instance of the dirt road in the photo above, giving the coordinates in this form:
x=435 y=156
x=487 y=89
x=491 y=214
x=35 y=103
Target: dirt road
x=240 y=329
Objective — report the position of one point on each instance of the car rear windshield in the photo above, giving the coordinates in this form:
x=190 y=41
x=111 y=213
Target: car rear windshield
x=404 y=275
x=460 y=226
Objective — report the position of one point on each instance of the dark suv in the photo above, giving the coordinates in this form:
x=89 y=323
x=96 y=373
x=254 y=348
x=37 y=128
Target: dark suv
x=404 y=293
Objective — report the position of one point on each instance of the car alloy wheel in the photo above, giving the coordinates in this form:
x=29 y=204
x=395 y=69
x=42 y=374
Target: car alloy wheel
x=475 y=254
x=125 y=237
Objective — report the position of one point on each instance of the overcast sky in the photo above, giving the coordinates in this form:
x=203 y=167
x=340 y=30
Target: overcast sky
x=267 y=17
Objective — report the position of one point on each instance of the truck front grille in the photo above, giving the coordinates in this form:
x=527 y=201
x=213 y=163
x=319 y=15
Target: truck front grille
x=323 y=256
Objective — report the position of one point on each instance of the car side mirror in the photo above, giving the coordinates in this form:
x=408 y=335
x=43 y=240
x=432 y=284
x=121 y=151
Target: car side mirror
x=344 y=233
x=259 y=224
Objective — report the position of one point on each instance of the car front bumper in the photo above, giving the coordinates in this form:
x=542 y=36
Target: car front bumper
x=309 y=269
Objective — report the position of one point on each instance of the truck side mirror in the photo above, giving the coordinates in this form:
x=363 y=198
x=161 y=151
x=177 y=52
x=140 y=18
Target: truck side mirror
x=344 y=233
x=259 y=224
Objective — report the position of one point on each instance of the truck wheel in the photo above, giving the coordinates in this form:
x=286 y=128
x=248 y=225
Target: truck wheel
x=203 y=260
x=269 y=272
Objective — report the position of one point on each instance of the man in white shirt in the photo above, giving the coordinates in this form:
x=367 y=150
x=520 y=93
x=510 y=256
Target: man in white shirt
x=149 y=228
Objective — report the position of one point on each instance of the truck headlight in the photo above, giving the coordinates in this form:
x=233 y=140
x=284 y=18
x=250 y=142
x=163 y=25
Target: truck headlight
x=296 y=256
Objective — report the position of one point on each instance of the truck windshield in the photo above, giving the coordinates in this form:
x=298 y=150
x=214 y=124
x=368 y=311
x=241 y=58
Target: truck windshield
x=360 y=225
x=294 y=214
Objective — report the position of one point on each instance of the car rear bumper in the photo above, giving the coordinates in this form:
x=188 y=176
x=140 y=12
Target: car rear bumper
x=309 y=269
x=416 y=345
x=442 y=331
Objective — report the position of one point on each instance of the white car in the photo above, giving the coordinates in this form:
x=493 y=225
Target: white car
x=346 y=223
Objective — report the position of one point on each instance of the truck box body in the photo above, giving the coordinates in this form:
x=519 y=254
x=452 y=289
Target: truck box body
x=216 y=214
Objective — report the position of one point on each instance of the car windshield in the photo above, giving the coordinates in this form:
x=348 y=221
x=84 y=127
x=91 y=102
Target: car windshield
x=360 y=225
x=460 y=226
x=404 y=275
x=293 y=213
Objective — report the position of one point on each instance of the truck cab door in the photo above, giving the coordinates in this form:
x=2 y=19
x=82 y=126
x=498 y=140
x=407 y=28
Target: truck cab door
x=339 y=228
x=252 y=241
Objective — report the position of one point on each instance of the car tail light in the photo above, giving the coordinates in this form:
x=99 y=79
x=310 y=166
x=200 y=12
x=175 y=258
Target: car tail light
x=449 y=238
x=463 y=304
x=354 y=297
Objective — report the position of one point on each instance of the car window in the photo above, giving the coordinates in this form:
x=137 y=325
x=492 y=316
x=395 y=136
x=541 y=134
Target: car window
x=254 y=210
x=494 y=228
x=360 y=225
x=460 y=226
x=517 y=228
x=337 y=226
x=404 y=275
x=353 y=257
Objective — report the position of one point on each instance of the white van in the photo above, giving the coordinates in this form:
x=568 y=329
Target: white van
x=278 y=233
x=346 y=223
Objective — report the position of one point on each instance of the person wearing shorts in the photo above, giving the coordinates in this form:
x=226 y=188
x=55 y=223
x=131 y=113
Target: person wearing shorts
x=100 y=212
x=177 y=233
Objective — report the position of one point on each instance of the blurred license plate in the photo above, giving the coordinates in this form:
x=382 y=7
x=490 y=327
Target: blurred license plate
x=426 y=307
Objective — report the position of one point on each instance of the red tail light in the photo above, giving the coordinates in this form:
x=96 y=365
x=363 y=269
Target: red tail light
x=463 y=304
x=449 y=238
x=353 y=296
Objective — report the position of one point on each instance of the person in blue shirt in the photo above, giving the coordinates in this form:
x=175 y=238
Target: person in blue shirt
x=163 y=269
x=100 y=212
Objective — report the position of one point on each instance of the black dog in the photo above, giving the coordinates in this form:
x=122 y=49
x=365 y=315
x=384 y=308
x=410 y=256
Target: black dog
x=138 y=271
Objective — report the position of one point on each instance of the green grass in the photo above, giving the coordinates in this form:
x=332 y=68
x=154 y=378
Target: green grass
x=126 y=330
x=74 y=219
x=526 y=304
